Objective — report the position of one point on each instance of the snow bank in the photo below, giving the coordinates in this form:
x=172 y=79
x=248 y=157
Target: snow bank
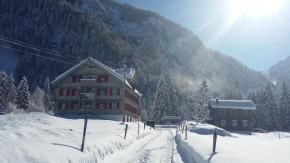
x=38 y=137
x=255 y=148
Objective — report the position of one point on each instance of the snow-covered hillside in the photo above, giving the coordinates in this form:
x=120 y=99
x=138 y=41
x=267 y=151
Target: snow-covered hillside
x=233 y=148
x=38 y=137
x=280 y=71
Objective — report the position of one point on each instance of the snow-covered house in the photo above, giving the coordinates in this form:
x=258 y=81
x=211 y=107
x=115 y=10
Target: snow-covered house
x=231 y=115
x=92 y=86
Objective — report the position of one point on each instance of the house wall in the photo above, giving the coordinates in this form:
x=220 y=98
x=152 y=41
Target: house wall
x=67 y=83
x=228 y=117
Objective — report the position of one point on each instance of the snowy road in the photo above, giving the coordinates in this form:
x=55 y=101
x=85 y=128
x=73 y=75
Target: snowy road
x=158 y=147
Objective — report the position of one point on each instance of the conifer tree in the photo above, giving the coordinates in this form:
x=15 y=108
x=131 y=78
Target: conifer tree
x=271 y=106
x=160 y=100
x=47 y=95
x=22 y=97
x=173 y=100
x=3 y=92
x=284 y=105
x=11 y=89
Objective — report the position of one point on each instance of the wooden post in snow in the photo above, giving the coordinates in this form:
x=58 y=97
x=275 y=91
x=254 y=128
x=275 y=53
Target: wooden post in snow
x=126 y=131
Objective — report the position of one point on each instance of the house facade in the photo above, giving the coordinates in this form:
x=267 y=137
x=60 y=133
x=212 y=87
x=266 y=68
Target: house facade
x=232 y=115
x=92 y=87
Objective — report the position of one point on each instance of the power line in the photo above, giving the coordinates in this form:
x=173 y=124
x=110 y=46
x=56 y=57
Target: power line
x=30 y=46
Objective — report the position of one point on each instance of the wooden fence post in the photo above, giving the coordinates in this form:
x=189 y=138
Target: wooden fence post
x=126 y=131
x=185 y=132
x=138 y=128
x=84 y=134
x=214 y=139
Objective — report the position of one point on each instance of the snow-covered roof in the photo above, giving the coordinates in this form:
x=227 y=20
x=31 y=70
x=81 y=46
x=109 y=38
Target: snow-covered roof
x=233 y=104
x=129 y=72
x=100 y=64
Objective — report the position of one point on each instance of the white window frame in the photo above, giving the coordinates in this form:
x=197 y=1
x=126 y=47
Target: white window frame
x=234 y=123
x=245 y=123
x=221 y=112
x=63 y=105
x=223 y=123
x=243 y=112
x=76 y=106
x=102 y=105
x=64 y=92
x=89 y=76
x=114 y=105
x=77 y=79
x=114 y=92
x=232 y=110
x=103 y=79
x=102 y=92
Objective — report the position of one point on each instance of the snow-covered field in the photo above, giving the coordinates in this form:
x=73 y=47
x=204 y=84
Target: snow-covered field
x=233 y=148
x=37 y=137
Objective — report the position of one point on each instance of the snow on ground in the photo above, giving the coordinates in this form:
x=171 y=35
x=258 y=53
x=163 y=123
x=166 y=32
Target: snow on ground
x=232 y=148
x=38 y=137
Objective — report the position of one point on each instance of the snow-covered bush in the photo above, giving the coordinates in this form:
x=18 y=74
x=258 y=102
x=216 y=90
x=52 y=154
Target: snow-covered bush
x=36 y=101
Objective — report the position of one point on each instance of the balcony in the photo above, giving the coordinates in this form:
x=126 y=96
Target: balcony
x=87 y=82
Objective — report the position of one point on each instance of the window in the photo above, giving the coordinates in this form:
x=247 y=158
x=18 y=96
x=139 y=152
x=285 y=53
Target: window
x=114 y=93
x=222 y=112
x=245 y=123
x=77 y=79
x=90 y=90
x=234 y=123
x=244 y=112
x=89 y=77
x=223 y=123
x=234 y=112
x=102 y=92
x=65 y=92
x=114 y=105
x=63 y=105
x=103 y=79
x=75 y=106
x=102 y=106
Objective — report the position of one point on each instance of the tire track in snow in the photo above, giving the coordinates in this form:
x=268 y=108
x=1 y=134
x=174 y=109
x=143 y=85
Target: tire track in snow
x=158 y=148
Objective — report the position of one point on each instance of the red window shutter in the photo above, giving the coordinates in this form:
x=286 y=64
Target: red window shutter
x=97 y=105
x=66 y=106
x=68 y=92
x=98 y=91
x=118 y=91
x=111 y=91
x=73 y=79
x=73 y=92
x=107 y=79
x=106 y=91
x=59 y=105
x=118 y=105
x=110 y=105
x=60 y=91
x=105 y=104
x=81 y=76
x=99 y=79
x=71 y=105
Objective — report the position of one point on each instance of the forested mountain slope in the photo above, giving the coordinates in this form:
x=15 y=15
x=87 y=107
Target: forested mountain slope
x=280 y=71
x=119 y=34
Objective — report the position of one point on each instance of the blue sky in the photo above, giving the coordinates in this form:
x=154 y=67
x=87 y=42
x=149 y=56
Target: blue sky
x=254 y=32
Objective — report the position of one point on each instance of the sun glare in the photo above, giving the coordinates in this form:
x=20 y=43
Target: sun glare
x=254 y=8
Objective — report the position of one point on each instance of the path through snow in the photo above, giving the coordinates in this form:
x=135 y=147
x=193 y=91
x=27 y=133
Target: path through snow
x=158 y=147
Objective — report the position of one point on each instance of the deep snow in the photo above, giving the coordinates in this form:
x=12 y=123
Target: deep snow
x=233 y=148
x=38 y=137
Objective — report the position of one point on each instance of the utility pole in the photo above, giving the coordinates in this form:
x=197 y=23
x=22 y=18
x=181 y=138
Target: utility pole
x=124 y=85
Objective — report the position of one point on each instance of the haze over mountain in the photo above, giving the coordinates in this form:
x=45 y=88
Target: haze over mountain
x=280 y=71
x=117 y=34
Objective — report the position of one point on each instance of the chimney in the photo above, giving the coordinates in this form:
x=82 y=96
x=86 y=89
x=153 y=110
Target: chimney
x=217 y=101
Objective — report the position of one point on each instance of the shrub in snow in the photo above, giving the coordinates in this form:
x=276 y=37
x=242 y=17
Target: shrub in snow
x=3 y=92
x=36 y=101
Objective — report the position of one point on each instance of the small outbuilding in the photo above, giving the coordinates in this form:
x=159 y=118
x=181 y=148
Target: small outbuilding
x=170 y=120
